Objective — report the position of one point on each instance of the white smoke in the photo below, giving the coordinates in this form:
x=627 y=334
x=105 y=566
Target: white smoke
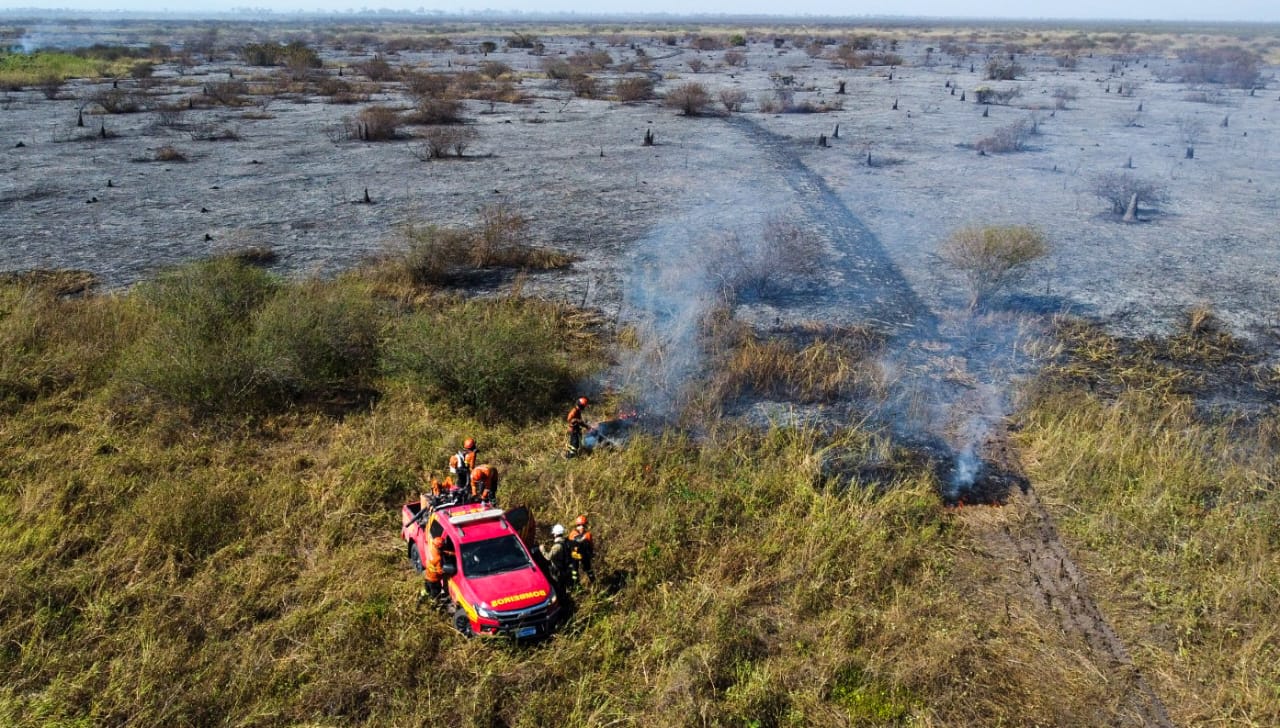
x=678 y=276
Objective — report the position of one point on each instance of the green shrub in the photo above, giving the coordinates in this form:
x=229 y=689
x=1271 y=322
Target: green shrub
x=194 y=354
x=315 y=339
x=500 y=360
x=992 y=257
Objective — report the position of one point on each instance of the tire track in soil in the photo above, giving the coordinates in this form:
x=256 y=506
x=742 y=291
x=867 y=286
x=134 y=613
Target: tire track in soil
x=873 y=286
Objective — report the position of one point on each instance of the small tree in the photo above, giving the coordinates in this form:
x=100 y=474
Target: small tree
x=691 y=99
x=1118 y=188
x=991 y=258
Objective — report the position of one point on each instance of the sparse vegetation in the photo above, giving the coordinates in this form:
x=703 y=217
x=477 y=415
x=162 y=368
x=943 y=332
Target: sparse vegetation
x=991 y=258
x=202 y=470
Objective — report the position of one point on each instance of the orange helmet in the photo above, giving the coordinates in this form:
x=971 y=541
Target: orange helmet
x=469 y=443
x=582 y=521
x=438 y=541
x=583 y=401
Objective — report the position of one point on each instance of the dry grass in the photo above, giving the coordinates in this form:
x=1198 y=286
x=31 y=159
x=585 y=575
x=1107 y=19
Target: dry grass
x=818 y=365
x=168 y=153
x=441 y=256
x=1174 y=511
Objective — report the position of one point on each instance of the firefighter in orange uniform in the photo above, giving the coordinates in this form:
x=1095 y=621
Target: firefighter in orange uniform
x=484 y=484
x=433 y=572
x=576 y=427
x=461 y=464
x=581 y=550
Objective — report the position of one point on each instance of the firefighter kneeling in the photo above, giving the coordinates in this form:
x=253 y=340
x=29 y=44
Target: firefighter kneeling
x=581 y=551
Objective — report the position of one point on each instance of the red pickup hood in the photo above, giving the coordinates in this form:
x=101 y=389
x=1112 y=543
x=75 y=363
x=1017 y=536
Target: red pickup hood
x=511 y=590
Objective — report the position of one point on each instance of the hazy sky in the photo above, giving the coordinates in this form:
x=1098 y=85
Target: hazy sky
x=1256 y=10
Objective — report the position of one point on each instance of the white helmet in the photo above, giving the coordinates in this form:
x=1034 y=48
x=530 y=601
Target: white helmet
x=557 y=530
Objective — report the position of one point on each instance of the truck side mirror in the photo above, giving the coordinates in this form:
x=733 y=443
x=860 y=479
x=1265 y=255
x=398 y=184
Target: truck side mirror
x=450 y=567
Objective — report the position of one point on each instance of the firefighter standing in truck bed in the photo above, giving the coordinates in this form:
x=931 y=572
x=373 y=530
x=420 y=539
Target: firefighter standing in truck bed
x=462 y=463
x=576 y=427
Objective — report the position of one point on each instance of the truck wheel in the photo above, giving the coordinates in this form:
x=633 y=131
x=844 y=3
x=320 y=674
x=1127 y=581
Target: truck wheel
x=414 y=558
x=462 y=623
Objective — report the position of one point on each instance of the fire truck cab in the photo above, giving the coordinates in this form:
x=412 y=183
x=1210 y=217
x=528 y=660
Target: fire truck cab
x=494 y=585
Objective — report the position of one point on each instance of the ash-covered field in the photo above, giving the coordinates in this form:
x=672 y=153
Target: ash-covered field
x=899 y=175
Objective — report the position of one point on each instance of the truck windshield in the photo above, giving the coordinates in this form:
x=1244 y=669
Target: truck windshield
x=493 y=556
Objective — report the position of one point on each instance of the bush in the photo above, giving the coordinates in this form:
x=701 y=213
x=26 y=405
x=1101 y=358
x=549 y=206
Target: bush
x=193 y=354
x=691 y=99
x=1008 y=138
x=440 y=141
x=1001 y=70
x=49 y=342
x=556 y=69
x=783 y=254
x=634 y=88
x=735 y=58
x=584 y=85
x=494 y=69
x=1117 y=188
x=1231 y=66
x=434 y=253
x=732 y=98
x=991 y=258
x=436 y=111
x=169 y=153
x=120 y=101
x=988 y=95
x=314 y=340
x=426 y=85
x=50 y=85
x=226 y=93
x=374 y=123
x=376 y=69
x=261 y=54
x=505 y=360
